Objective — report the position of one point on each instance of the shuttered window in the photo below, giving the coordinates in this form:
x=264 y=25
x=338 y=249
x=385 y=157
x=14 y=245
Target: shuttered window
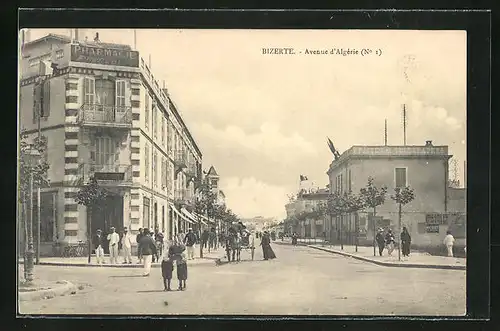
x=120 y=95
x=146 y=110
x=400 y=175
x=146 y=163
x=155 y=169
x=89 y=90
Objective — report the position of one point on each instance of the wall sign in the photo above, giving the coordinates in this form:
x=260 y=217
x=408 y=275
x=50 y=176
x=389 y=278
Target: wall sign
x=105 y=56
x=432 y=222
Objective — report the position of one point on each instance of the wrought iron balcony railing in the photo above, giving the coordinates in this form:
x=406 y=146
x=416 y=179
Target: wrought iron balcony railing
x=106 y=174
x=102 y=115
x=190 y=170
x=185 y=195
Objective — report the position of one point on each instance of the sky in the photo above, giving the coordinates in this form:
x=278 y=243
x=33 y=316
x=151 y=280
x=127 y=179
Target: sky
x=262 y=120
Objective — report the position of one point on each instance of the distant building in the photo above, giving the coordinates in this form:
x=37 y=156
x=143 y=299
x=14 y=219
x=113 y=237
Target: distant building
x=423 y=168
x=105 y=116
x=306 y=202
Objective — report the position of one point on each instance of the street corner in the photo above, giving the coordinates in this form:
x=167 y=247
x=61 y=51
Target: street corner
x=47 y=290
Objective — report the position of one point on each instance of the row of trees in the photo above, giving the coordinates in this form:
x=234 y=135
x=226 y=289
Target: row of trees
x=369 y=197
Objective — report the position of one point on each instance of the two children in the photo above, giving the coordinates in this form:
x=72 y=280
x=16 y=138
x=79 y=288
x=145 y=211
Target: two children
x=175 y=254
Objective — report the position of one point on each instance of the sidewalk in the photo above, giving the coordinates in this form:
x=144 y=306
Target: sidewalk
x=416 y=259
x=208 y=258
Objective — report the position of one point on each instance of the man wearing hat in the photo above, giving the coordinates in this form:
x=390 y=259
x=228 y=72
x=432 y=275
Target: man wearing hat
x=113 y=239
x=189 y=241
x=99 y=249
x=380 y=239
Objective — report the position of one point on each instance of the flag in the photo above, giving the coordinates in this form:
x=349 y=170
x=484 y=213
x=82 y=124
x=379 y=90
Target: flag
x=335 y=153
x=303 y=178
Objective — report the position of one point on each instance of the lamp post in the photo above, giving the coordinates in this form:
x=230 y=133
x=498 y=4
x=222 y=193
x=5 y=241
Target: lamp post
x=32 y=157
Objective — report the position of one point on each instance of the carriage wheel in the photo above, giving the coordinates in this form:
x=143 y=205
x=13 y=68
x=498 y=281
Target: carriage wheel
x=252 y=252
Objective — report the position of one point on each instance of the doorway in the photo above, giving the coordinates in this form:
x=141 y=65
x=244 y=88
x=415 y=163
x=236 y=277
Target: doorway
x=110 y=214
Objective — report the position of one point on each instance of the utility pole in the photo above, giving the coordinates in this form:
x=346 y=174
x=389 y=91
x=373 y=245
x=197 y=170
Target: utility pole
x=404 y=124
x=385 y=133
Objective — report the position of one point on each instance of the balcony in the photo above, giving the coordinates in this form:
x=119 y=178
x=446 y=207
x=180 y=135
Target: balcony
x=115 y=174
x=190 y=170
x=108 y=116
x=183 y=197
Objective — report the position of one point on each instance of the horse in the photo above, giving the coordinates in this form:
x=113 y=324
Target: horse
x=233 y=247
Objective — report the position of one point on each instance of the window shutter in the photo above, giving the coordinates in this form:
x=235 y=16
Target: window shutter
x=45 y=111
x=120 y=94
x=89 y=90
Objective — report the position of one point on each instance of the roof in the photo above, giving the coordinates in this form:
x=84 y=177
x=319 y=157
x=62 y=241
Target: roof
x=50 y=36
x=212 y=172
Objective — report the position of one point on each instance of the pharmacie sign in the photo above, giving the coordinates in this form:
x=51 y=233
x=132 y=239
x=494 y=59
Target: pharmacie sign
x=105 y=56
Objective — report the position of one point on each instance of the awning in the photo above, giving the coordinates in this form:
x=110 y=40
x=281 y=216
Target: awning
x=188 y=215
x=203 y=217
x=180 y=214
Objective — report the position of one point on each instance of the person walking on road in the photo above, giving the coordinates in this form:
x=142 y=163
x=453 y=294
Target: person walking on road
x=448 y=241
x=182 y=272
x=204 y=238
x=137 y=240
x=267 y=251
x=159 y=238
x=405 y=242
x=190 y=241
x=212 y=236
x=380 y=239
x=113 y=239
x=389 y=241
x=147 y=249
x=127 y=246
x=99 y=247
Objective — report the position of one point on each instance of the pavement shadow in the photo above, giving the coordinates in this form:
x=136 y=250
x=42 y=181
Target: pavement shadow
x=151 y=291
x=127 y=276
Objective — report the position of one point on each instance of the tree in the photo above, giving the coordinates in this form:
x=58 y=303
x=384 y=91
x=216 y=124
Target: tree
x=372 y=197
x=31 y=174
x=336 y=206
x=205 y=204
x=402 y=196
x=92 y=196
x=352 y=204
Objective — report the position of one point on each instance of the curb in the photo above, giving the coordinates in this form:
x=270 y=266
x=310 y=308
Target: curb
x=67 y=288
x=124 y=266
x=391 y=264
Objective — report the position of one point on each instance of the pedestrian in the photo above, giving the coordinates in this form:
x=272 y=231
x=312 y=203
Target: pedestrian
x=204 y=238
x=389 y=242
x=190 y=241
x=212 y=237
x=167 y=268
x=267 y=251
x=113 y=239
x=405 y=242
x=126 y=246
x=137 y=240
x=182 y=271
x=380 y=239
x=159 y=238
x=147 y=249
x=448 y=241
x=99 y=246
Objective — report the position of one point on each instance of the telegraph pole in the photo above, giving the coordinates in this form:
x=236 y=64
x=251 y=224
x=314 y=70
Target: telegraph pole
x=404 y=124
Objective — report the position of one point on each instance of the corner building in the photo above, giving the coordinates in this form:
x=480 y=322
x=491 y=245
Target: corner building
x=105 y=115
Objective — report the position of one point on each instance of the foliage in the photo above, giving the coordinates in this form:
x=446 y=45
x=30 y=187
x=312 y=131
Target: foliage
x=403 y=196
x=353 y=202
x=91 y=194
x=205 y=201
x=39 y=170
x=371 y=195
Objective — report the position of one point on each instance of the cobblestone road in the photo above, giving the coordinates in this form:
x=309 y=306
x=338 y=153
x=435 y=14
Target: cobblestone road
x=300 y=281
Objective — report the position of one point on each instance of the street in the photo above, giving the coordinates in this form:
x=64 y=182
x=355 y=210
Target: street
x=300 y=281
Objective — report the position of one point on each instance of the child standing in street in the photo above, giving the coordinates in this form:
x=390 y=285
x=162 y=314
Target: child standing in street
x=167 y=268
x=182 y=272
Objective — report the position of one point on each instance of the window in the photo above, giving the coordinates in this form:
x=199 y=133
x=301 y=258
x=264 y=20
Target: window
x=105 y=92
x=349 y=184
x=155 y=169
x=155 y=120
x=89 y=90
x=146 y=163
x=162 y=133
x=120 y=95
x=59 y=54
x=400 y=177
x=145 y=213
x=169 y=136
x=146 y=111
x=105 y=151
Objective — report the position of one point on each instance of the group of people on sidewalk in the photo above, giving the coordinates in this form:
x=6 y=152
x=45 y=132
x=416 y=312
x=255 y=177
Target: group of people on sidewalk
x=387 y=241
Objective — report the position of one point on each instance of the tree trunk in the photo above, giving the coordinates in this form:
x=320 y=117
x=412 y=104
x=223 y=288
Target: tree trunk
x=341 y=234
x=399 y=233
x=374 y=230
x=356 y=230
x=201 y=239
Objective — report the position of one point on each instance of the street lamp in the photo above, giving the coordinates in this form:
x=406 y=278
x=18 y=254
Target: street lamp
x=31 y=159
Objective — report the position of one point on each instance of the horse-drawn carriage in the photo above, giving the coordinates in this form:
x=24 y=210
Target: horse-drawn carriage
x=238 y=239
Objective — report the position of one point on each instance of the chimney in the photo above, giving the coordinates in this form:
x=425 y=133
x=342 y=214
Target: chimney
x=428 y=143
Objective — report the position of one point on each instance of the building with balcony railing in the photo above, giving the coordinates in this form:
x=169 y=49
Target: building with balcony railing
x=105 y=116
